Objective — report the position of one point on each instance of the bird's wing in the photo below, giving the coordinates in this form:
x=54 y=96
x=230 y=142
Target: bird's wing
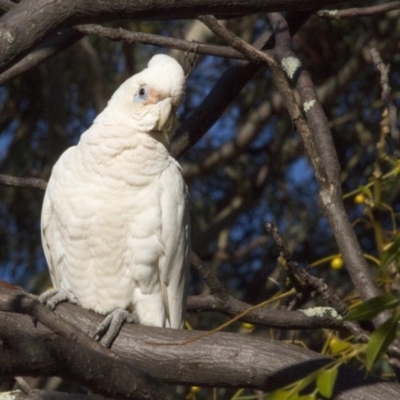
x=51 y=240
x=174 y=263
x=46 y=227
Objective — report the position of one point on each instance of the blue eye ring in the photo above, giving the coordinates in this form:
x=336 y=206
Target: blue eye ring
x=142 y=94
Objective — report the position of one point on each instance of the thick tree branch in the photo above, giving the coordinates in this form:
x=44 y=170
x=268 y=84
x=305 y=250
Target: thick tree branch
x=49 y=48
x=330 y=194
x=220 y=359
x=6 y=5
x=80 y=357
x=317 y=140
x=45 y=17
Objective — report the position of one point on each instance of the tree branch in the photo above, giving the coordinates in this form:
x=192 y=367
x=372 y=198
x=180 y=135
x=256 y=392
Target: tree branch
x=330 y=193
x=359 y=11
x=29 y=183
x=220 y=359
x=302 y=280
x=216 y=102
x=221 y=301
x=319 y=143
x=80 y=357
x=271 y=318
x=386 y=94
x=159 y=41
x=46 y=50
x=45 y=17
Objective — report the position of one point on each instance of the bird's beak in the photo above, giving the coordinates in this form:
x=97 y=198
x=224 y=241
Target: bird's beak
x=166 y=114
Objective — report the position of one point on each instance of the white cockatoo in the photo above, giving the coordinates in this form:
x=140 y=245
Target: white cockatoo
x=115 y=221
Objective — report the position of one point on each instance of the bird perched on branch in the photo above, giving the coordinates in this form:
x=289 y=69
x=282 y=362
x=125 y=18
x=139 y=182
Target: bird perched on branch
x=115 y=223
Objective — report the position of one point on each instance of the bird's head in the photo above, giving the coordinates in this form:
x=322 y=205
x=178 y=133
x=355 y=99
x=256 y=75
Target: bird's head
x=147 y=101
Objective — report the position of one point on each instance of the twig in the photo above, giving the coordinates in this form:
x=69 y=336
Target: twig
x=28 y=183
x=359 y=11
x=221 y=301
x=318 y=284
x=238 y=44
x=159 y=41
x=23 y=384
x=302 y=279
x=230 y=322
x=211 y=280
x=386 y=94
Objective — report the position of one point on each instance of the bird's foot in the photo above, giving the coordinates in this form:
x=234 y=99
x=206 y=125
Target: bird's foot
x=108 y=330
x=53 y=297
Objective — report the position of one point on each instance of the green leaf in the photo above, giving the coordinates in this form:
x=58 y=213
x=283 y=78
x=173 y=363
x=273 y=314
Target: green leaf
x=337 y=346
x=307 y=397
x=326 y=381
x=373 y=307
x=366 y=191
x=381 y=339
x=392 y=252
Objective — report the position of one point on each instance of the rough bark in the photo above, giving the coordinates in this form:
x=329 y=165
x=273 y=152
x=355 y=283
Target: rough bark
x=220 y=359
x=31 y=21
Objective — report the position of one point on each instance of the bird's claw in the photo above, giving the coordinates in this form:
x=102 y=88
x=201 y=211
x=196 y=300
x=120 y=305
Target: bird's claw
x=53 y=297
x=108 y=330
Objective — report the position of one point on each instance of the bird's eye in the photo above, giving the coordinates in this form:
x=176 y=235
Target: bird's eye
x=142 y=94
